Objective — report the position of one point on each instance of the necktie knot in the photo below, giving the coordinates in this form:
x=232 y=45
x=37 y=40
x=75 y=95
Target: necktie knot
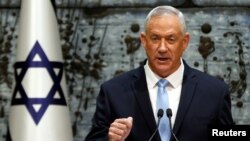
x=162 y=83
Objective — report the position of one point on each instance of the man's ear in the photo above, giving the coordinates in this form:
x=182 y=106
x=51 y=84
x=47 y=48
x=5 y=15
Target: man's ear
x=143 y=38
x=186 y=40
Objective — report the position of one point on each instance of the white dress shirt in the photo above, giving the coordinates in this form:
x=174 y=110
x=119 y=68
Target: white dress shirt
x=173 y=89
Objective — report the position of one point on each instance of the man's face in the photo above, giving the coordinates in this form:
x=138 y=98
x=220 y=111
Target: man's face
x=164 y=43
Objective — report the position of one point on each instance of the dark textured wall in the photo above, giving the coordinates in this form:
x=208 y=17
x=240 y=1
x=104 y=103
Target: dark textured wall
x=100 y=40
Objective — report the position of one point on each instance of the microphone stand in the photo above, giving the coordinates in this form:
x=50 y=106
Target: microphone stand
x=159 y=115
x=169 y=115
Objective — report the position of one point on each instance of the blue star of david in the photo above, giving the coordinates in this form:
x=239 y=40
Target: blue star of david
x=56 y=87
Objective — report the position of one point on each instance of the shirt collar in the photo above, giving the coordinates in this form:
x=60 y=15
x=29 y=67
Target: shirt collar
x=175 y=79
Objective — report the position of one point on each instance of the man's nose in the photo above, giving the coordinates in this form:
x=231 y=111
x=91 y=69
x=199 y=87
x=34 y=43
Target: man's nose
x=163 y=45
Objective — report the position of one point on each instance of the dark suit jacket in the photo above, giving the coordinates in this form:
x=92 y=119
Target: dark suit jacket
x=204 y=100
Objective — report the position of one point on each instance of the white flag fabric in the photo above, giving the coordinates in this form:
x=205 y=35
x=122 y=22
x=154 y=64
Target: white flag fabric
x=39 y=110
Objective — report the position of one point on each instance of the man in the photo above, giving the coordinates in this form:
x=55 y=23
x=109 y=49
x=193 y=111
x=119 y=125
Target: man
x=127 y=105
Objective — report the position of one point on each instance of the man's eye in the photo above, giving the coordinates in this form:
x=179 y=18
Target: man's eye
x=154 y=38
x=172 y=39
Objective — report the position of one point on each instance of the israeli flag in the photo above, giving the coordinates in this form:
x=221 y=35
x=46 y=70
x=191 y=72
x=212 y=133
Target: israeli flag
x=39 y=110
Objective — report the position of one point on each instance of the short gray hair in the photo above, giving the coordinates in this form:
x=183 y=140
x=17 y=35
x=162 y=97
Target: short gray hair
x=169 y=10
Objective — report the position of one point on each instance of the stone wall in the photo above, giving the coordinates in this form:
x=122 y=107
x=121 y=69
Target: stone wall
x=100 y=39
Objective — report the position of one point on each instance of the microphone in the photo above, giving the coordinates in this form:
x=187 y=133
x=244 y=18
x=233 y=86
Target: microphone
x=169 y=115
x=159 y=115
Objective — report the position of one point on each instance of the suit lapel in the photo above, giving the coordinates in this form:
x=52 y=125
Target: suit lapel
x=142 y=98
x=187 y=93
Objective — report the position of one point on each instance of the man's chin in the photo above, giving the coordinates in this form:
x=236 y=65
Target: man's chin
x=163 y=71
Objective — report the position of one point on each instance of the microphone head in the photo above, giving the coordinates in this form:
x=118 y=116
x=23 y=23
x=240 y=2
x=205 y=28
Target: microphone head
x=169 y=112
x=160 y=113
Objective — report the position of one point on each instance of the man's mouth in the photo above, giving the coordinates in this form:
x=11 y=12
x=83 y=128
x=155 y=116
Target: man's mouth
x=162 y=59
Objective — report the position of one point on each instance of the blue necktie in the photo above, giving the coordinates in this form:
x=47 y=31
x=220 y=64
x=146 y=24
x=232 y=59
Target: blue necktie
x=162 y=103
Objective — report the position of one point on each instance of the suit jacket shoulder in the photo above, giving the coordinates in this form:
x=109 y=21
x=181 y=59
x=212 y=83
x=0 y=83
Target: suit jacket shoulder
x=203 y=78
